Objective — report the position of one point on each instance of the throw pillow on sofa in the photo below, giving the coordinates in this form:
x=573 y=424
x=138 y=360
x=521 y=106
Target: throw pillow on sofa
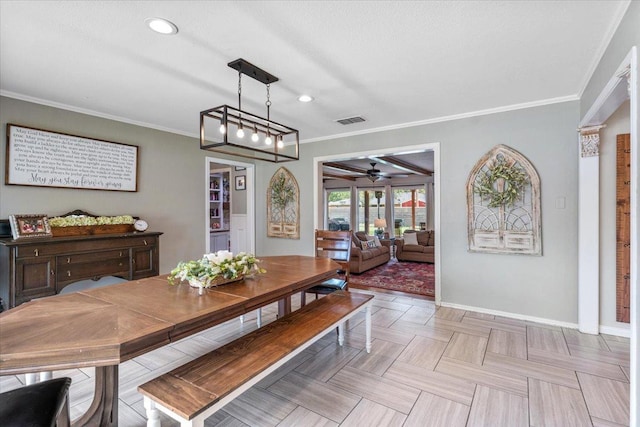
x=368 y=244
x=410 y=238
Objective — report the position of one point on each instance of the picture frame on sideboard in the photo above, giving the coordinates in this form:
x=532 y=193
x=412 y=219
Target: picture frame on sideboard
x=29 y=226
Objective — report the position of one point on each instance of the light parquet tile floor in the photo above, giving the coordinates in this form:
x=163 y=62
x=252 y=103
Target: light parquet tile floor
x=428 y=367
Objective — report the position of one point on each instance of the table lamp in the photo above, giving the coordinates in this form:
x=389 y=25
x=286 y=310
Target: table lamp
x=381 y=224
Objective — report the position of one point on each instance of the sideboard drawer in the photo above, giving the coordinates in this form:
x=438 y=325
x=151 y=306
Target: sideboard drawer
x=96 y=257
x=46 y=247
x=38 y=250
x=142 y=241
x=93 y=265
x=93 y=270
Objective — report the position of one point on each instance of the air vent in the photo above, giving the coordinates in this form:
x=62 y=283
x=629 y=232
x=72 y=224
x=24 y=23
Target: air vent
x=350 y=120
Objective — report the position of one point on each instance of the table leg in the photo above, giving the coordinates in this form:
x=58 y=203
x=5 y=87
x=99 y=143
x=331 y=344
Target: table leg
x=367 y=322
x=284 y=307
x=31 y=378
x=104 y=408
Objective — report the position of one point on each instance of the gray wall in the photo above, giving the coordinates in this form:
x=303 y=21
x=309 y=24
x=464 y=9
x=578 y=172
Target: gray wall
x=627 y=35
x=171 y=179
x=537 y=286
x=239 y=198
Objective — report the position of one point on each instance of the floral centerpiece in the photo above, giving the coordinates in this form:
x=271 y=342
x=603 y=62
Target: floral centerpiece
x=82 y=220
x=215 y=269
x=80 y=223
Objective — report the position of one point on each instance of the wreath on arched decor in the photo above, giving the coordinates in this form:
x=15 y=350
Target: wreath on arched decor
x=514 y=180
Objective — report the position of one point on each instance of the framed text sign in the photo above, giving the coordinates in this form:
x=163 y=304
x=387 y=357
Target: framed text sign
x=50 y=159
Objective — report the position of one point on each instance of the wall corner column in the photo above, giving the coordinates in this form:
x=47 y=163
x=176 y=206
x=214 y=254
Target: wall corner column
x=589 y=230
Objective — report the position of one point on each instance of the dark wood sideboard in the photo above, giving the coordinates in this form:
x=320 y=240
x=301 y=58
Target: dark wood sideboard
x=36 y=268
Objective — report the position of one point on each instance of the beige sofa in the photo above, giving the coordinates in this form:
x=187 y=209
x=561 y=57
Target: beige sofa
x=366 y=259
x=424 y=251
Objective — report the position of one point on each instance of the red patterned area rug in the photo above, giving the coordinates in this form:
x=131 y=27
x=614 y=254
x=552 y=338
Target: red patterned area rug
x=410 y=277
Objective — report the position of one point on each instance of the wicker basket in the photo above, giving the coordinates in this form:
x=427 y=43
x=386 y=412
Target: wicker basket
x=194 y=283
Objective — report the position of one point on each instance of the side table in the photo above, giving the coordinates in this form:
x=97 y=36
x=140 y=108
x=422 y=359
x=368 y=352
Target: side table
x=392 y=246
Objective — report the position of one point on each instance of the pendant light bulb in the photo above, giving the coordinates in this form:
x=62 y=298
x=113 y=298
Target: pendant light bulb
x=240 y=132
x=223 y=128
x=254 y=135
x=268 y=140
x=280 y=143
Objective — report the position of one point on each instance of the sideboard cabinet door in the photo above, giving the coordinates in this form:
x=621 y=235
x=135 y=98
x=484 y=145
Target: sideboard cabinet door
x=35 y=278
x=144 y=261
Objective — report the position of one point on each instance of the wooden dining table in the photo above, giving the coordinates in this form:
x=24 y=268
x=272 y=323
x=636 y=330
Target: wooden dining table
x=106 y=326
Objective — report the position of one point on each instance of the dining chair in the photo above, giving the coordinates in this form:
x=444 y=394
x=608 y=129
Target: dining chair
x=337 y=246
x=40 y=404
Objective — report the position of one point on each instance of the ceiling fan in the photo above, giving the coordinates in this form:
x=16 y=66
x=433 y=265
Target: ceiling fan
x=374 y=174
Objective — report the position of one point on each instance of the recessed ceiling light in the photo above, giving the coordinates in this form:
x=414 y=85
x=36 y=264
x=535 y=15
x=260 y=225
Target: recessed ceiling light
x=305 y=98
x=162 y=26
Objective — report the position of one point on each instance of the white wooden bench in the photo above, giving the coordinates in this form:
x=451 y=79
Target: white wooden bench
x=196 y=390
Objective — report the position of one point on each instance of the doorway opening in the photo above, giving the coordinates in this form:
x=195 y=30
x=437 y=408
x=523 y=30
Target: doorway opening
x=229 y=206
x=322 y=217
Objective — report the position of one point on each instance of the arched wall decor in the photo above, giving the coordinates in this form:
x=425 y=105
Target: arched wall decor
x=283 y=206
x=503 y=204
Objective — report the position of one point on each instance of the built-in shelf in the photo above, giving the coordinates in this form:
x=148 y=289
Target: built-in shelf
x=219 y=209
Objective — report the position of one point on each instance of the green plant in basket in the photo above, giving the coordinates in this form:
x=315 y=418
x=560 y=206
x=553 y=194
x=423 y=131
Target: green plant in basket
x=214 y=266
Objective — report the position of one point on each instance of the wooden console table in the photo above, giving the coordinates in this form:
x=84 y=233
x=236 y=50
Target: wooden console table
x=36 y=268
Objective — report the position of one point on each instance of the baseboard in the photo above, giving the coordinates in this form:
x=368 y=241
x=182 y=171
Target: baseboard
x=615 y=330
x=517 y=316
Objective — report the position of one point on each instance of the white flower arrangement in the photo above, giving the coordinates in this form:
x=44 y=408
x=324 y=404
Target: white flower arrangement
x=216 y=268
x=83 y=220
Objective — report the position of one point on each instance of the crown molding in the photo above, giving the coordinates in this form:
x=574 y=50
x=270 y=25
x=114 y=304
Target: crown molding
x=461 y=116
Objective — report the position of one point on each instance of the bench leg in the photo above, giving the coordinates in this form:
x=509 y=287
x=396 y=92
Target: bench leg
x=153 y=415
x=367 y=322
x=196 y=422
x=341 y=334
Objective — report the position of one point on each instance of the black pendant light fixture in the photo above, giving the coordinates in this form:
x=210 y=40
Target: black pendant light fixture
x=229 y=127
